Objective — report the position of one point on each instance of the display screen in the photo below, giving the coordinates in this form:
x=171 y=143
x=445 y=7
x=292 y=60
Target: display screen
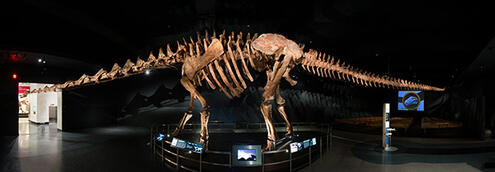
x=246 y=155
x=411 y=101
x=160 y=137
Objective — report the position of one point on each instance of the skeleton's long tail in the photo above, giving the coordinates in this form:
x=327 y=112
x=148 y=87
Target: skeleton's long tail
x=327 y=66
x=164 y=60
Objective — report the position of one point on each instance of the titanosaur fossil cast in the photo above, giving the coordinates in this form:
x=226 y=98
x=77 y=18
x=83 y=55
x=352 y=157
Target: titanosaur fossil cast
x=217 y=61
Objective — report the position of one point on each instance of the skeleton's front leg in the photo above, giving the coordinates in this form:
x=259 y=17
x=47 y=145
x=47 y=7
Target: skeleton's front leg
x=205 y=115
x=273 y=81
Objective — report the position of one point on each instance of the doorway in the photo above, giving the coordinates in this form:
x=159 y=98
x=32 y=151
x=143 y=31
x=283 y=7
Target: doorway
x=38 y=112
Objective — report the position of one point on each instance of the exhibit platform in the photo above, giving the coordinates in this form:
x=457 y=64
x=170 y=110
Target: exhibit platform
x=228 y=142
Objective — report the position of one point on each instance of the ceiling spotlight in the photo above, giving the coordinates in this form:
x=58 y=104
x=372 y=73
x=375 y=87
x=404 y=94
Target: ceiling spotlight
x=287 y=150
x=190 y=151
x=40 y=60
x=44 y=61
x=168 y=135
x=147 y=72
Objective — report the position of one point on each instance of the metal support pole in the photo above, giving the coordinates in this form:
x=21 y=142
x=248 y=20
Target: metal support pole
x=310 y=157
x=153 y=144
x=331 y=138
x=230 y=159
x=321 y=147
x=327 y=135
x=200 y=162
x=177 y=158
x=151 y=139
x=263 y=162
x=162 y=150
x=290 y=161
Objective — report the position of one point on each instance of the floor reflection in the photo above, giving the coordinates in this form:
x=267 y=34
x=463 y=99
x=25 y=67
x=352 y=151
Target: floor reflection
x=41 y=147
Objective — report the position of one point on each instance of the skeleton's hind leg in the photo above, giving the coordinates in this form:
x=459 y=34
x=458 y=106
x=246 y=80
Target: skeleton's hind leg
x=266 y=110
x=185 y=118
x=281 y=110
x=205 y=115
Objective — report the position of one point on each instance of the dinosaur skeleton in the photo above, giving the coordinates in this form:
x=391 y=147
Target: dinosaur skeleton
x=217 y=62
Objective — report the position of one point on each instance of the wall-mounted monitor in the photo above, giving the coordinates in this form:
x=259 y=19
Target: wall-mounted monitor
x=246 y=155
x=411 y=101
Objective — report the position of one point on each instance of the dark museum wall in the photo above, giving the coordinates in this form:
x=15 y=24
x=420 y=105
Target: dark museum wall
x=8 y=105
x=440 y=46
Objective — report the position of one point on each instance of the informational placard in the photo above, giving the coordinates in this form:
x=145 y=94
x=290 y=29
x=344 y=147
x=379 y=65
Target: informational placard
x=297 y=146
x=246 y=155
x=182 y=144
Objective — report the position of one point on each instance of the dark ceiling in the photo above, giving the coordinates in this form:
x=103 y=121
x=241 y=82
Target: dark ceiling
x=416 y=40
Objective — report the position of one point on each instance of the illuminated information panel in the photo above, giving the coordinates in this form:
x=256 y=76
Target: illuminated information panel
x=182 y=144
x=160 y=137
x=297 y=146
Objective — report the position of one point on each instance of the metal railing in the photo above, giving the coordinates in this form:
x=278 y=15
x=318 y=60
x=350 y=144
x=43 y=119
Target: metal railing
x=186 y=160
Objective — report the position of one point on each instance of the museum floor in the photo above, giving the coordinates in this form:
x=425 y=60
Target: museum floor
x=123 y=148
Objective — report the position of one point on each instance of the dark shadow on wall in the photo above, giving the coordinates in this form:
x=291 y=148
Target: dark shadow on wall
x=103 y=104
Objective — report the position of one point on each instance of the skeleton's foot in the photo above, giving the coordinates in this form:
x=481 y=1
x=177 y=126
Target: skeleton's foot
x=270 y=145
x=289 y=133
x=204 y=141
x=182 y=123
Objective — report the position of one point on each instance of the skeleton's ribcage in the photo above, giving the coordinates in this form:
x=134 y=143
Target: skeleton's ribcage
x=224 y=73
